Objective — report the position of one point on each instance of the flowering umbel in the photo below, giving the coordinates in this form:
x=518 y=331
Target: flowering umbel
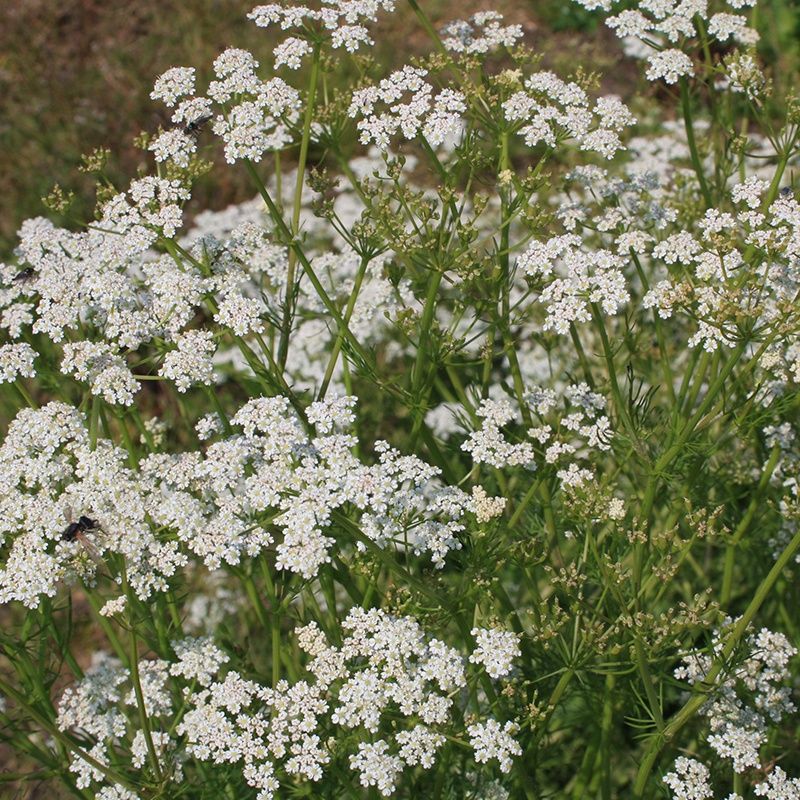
x=461 y=460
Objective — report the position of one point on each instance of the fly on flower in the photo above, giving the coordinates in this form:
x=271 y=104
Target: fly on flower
x=193 y=127
x=24 y=276
x=76 y=532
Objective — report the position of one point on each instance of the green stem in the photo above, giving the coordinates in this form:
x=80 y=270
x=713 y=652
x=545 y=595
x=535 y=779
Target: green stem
x=703 y=689
x=429 y=29
x=348 y=313
x=657 y=323
x=620 y=404
x=423 y=361
x=294 y=245
x=605 y=738
x=275 y=624
x=647 y=681
x=20 y=387
x=686 y=106
x=9 y=691
x=744 y=524
x=288 y=306
x=143 y=717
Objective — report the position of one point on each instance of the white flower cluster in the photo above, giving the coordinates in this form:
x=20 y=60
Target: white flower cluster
x=99 y=706
x=690 y=780
x=150 y=207
x=484 y=507
x=50 y=476
x=496 y=650
x=489 y=445
x=173 y=145
x=16 y=360
x=550 y=111
x=309 y=478
x=106 y=373
x=752 y=696
x=342 y=20
x=190 y=362
x=669 y=65
x=745 y=75
x=491 y=740
x=482 y=33
x=633 y=200
x=779 y=786
x=435 y=116
x=652 y=28
x=714 y=269
x=254 y=126
x=173 y=84
x=209 y=507
x=383 y=663
x=583 y=430
x=575 y=278
x=106 y=286
x=256 y=123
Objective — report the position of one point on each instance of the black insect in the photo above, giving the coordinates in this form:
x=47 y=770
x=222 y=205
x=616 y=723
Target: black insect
x=75 y=529
x=194 y=127
x=24 y=276
x=786 y=192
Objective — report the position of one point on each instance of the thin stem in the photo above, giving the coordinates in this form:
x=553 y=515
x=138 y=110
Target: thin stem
x=143 y=717
x=288 y=306
x=647 y=681
x=348 y=313
x=429 y=29
x=686 y=106
x=704 y=688
x=20 y=387
x=9 y=691
x=744 y=524
x=309 y=270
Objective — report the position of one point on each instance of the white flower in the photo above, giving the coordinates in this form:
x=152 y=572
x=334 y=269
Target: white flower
x=725 y=26
x=16 y=360
x=419 y=746
x=190 y=362
x=291 y=52
x=332 y=413
x=481 y=34
x=486 y=508
x=174 y=83
x=495 y=650
x=749 y=192
x=491 y=740
x=779 y=786
x=435 y=116
x=198 y=660
x=241 y=314
x=107 y=373
x=173 y=145
x=115 y=606
x=376 y=767
x=689 y=781
x=351 y=37
x=669 y=65
x=254 y=126
x=630 y=23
